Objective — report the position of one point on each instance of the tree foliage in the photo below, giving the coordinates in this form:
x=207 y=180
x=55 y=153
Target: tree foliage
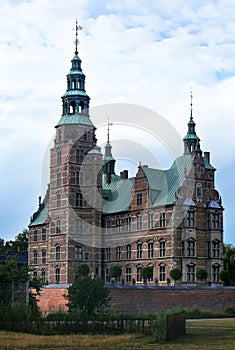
x=115 y=271
x=20 y=242
x=176 y=274
x=225 y=277
x=82 y=270
x=87 y=295
x=147 y=273
x=201 y=274
x=229 y=262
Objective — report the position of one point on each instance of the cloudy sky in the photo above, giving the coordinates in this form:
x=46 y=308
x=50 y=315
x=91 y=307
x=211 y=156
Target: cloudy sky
x=148 y=53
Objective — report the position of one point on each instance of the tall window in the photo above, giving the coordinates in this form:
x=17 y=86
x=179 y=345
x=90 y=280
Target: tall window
x=138 y=273
x=43 y=276
x=128 y=274
x=190 y=218
x=139 y=250
x=35 y=235
x=35 y=257
x=162 y=248
x=78 y=200
x=150 y=249
x=190 y=273
x=128 y=223
x=58 y=178
x=215 y=249
x=108 y=253
x=128 y=251
x=59 y=156
x=118 y=224
x=78 y=177
x=44 y=256
x=44 y=234
x=79 y=224
x=191 y=246
x=139 y=222
x=58 y=228
x=118 y=252
x=162 y=273
x=78 y=253
x=150 y=220
x=214 y=220
x=57 y=274
x=139 y=199
x=215 y=273
x=57 y=253
x=108 y=225
x=162 y=219
x=79 y=155
x=58 y=200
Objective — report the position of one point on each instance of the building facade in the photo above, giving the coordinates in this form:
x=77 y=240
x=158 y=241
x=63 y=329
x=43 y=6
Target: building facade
x=165 y=219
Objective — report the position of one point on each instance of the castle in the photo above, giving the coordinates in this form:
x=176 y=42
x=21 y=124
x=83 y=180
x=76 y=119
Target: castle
x=165 y=219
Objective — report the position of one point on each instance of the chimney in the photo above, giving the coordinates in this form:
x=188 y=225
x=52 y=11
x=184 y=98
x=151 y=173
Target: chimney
x=207 y=156
x=124 y=174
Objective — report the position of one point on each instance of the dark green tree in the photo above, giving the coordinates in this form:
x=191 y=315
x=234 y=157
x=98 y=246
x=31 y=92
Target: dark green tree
x=201 y=274
x=115 y=271
x=82 y=270
x=147 y=273
x=225 y=277
x=229 y=261
x=176 y=274
x=87 y=295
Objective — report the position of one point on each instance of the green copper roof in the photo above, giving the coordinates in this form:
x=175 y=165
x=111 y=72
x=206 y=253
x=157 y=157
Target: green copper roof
x=119 y=195
x=75 y=93
x=207 y=164
x=40 y=218
x=75 y=119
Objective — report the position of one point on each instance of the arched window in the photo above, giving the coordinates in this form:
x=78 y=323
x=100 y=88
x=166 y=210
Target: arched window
x=215 y=273
x=44 y=254
x=58 y=224
x=57 y=252
x=128 y=274
x=58 y=200
x=129 y=223
x=128 y=251
x=139 y=250
x=162 y=219
x=138 y=273
x=150 y=220
x=118 y=252
x=190 y=272
x=150 y=249
x=118 y=224
x=81 y=107
x=43 y=276
x=72 y=108
x=162 y=272
x=191 y=247
x=162 y=248
x=139 y=221
x=57 y=274
x=215 y=249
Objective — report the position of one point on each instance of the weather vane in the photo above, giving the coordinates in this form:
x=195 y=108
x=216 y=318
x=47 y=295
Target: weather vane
x=109 y=124
x=76 y=42
x=191 y=104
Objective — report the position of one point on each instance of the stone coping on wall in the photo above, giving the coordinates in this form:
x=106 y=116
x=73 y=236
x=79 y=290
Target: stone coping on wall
x=140 y=287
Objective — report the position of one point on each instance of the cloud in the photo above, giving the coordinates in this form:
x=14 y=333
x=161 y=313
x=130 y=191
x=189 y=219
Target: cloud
x=145 y=53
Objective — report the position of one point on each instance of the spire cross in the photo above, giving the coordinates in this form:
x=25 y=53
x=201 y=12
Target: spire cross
x=76 y=42
x=109 y=124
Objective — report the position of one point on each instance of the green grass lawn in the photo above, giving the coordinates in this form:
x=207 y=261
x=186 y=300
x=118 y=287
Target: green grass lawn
x=200 y=334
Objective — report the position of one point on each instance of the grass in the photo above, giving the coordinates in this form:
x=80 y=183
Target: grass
x=201 y=334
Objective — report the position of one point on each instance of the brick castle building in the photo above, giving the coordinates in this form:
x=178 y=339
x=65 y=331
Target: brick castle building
x=161 y=218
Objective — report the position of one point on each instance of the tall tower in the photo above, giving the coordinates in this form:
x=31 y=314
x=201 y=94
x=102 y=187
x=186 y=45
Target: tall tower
x=74 y=207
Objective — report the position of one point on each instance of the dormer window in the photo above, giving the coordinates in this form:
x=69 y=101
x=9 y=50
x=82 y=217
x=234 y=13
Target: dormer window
x=139 y=198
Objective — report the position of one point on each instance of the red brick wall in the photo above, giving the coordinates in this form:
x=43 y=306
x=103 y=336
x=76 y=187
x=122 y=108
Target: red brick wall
x=148 y=299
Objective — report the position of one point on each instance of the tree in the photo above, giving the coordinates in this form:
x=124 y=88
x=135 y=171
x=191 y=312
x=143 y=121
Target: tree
x=87 y=295
x=115 y=271
x=201 y=274
x=20 y=242
x=225 y=277
x=229 y=262
x=82 y=270
x=176 y=274
x=147 y=273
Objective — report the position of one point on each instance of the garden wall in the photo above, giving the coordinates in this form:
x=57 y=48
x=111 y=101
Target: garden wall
x=131 y=299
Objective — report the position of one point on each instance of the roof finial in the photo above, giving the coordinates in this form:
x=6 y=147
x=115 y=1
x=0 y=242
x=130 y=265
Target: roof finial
x=191 y=104
x=76 y=42
x=109 y=124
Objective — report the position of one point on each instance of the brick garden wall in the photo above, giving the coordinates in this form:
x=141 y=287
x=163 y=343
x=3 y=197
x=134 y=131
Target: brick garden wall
x=133 y=299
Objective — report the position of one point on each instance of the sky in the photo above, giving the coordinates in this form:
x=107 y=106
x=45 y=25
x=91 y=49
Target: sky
x=146 y=53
